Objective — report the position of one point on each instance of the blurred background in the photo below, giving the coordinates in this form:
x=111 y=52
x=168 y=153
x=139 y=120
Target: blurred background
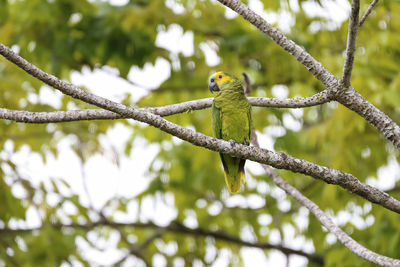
x=154 y=53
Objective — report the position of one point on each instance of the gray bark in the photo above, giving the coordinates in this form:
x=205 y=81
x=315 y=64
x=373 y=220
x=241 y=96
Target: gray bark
x=351 y=43
x=291 y=47
x=102 y=114
x=325 y=220
x=372 y=114
x=277 y=160
x=336 y=90
x=369 y=10
x=351 y=99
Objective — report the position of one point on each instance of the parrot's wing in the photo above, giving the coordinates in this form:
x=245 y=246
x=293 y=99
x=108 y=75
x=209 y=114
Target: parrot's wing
x=217 y=128
x=250 y=124
x=217 y=121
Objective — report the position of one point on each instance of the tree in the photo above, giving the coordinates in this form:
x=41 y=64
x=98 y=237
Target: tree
x=354 y=136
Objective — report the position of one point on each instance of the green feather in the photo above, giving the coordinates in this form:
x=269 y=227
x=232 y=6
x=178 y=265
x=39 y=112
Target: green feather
x=231 y=114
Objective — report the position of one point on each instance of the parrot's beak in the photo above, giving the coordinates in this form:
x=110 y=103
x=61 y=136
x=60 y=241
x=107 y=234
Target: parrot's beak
x=213 y=86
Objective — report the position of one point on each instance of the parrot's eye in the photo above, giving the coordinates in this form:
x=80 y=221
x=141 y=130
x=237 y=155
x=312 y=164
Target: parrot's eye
x=212 y=80
x=220 y=77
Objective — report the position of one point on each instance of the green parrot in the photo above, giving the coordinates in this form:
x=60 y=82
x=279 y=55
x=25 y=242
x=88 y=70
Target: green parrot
x=231 y=118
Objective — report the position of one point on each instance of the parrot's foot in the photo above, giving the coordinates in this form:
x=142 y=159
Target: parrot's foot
x=232 y=142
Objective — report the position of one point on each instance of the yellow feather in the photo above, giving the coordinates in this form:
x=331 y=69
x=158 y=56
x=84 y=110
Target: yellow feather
x=224 y=78
x=234 y=183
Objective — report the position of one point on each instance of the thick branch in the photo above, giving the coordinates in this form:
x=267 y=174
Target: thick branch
x=325 y=220
x=277 y=160
x=175 y=227
x=369 y=10
x=351 y=43
x=296 y=102
x=101 y=114
x=351 y=99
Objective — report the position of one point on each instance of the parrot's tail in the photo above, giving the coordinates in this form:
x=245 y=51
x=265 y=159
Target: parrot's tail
x=233 y=172
x=234 y=182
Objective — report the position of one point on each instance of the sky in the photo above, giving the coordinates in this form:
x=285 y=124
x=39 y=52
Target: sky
x=102 y=179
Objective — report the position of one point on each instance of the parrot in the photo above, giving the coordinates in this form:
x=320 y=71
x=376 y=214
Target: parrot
x=231 y=121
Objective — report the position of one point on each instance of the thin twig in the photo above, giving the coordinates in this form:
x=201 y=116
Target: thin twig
x=351 y=43
x=80 y=152
x=136 y=250
x=131 y=252
x=101 y=114
x=369 y=10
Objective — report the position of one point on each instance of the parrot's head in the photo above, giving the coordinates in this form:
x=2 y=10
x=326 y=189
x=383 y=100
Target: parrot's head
x=218 y=79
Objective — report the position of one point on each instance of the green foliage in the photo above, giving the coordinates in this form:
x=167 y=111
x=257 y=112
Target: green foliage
x=64 y=36
x=11 y=206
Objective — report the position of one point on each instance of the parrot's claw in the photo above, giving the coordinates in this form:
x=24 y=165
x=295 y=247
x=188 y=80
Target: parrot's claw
x=232 y=142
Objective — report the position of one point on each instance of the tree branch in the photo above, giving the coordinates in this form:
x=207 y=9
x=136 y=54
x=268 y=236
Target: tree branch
x=369 y=10
x=175 y=227
x=101 y=114
x=291 y=47
x=278 y=160
x=136 y=250
x=369 y=112
x=346 y=97
x=325 y=220
x=351 y=99
x=351 y=43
